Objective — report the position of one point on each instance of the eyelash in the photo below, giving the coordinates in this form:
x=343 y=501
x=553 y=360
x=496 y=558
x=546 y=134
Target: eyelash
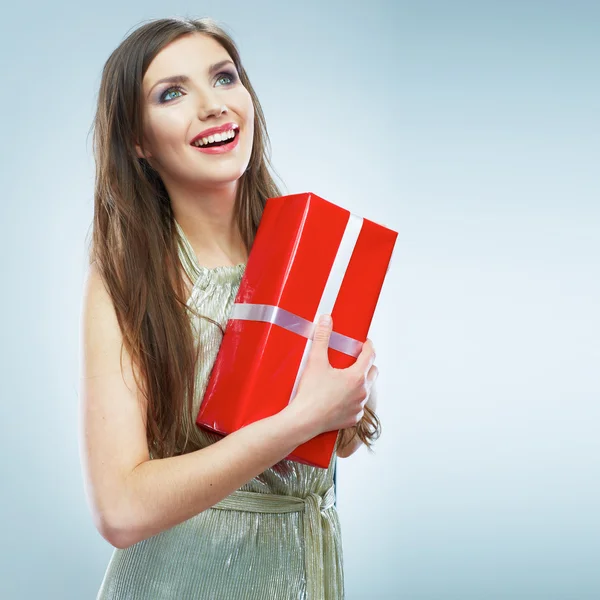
x=179 y=88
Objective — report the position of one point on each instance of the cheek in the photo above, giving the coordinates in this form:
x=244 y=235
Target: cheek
x=249 y=118
x=250 y=111
x=169 y=127
x=244 y=102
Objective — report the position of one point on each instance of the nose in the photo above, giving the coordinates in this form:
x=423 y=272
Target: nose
x=211 y=106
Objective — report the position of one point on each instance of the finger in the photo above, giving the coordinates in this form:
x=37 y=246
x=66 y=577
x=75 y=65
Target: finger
x=372 y=375
x=320 y=345
x=366 y=357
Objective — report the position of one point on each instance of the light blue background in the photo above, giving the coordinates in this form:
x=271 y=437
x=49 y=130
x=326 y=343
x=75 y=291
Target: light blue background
x=472 y=129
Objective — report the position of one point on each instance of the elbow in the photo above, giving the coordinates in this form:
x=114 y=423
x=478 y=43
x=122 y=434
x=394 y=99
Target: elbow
x=342 y=453
x=123 y=533
x=111 y=528
x=116 y=537
x=350 y=449
x=112 y=534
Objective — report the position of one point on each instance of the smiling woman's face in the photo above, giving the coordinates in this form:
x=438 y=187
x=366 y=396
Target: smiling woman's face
x=175 y=112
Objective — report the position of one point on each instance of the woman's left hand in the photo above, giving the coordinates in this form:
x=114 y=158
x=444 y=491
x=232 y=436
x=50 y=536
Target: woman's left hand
x=349 y=442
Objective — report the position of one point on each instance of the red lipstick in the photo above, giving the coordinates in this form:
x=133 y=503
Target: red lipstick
x=220 y=129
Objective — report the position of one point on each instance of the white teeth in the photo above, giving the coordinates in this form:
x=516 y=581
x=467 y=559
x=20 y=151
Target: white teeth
x=217 y=137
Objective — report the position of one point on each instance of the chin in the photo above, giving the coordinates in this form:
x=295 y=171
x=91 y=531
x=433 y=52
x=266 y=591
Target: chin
x=213 y=181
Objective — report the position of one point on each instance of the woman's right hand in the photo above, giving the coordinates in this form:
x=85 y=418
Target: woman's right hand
x=327 y=398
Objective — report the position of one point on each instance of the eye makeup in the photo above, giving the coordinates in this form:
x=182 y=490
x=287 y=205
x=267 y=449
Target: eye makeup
x=161 y=98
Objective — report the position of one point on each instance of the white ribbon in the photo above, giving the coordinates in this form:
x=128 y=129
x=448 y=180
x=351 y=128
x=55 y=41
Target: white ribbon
x=268 y=313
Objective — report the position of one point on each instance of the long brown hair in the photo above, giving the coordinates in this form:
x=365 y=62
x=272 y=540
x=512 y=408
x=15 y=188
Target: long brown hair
x=134 y=240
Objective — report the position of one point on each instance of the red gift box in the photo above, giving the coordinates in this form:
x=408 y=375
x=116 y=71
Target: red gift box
x=309 y=257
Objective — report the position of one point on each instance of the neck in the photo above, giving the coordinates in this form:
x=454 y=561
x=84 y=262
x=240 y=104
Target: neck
x=208 y=221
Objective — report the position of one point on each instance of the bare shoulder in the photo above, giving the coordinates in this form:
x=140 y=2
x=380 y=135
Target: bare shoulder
x=112 y=408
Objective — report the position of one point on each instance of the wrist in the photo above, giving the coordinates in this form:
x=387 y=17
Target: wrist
x=299 y=425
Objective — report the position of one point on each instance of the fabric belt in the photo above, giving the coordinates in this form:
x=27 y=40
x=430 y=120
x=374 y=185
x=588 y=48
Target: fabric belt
x=311 y=507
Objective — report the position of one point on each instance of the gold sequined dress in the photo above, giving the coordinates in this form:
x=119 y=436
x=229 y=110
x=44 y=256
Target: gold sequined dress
x=276 y=538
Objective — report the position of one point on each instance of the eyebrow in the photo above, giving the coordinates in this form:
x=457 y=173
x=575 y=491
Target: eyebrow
x=185 y=79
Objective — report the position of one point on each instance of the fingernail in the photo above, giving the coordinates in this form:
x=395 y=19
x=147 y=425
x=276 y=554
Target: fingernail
x=325 y=320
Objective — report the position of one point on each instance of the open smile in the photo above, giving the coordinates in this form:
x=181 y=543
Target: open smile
x=218 y=146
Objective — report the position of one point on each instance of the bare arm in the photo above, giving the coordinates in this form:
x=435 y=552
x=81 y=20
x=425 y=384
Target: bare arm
x=132 y=497
x=161 y=493
x=353 y=443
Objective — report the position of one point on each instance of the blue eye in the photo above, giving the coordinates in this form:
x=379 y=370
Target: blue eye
x=168 y=91
x=176 y=88
x=228 y=74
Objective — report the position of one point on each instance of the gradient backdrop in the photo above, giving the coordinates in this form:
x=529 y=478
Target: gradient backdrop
x=471 y=128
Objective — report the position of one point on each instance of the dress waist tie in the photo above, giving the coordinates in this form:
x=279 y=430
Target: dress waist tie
x=311 y=507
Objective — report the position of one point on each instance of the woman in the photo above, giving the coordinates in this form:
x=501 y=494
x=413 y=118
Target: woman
x=194 y=515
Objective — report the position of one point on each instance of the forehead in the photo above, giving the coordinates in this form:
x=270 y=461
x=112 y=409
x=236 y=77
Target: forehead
x=190 y=54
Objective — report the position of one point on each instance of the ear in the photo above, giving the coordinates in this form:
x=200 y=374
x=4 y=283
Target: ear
x=139 y=152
